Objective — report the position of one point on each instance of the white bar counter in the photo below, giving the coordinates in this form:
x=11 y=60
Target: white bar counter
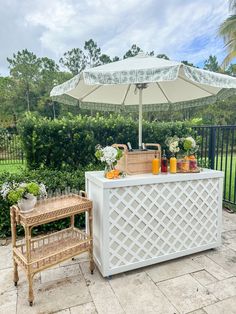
x=144 y=219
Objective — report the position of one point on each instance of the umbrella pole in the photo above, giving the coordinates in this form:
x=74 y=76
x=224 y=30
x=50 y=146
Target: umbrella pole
x=140 y=118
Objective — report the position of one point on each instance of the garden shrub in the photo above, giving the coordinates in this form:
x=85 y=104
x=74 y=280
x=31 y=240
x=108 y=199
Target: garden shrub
x=55 y=181
x=69 y=143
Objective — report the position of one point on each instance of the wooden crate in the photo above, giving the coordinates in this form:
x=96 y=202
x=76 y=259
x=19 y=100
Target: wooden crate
x=137 y=161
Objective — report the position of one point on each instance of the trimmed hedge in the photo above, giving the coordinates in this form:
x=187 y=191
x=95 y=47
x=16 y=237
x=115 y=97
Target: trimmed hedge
x=69 y=143
x=54 y=181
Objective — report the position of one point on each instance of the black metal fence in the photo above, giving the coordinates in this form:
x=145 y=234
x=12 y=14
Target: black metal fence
x=10 y=147
x=218 y=151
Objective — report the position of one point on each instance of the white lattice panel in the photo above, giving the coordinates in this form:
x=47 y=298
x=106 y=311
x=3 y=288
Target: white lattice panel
x=148 y=221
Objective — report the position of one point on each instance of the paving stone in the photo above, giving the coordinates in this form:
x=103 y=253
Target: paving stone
x=186 y=293
x=213 y=268
x=226 y=259
x=229 y=234
x=60 y=273
x=229 y=221
x=201 y=311
x=6 y=256
x=54 y=296
x=87 y=308
x=8 y=301
x=172 y=269
x=138 y=294
x=204 y=277
x=89 y=278
x=223 y=289
x=102 y=294
x=6 y=280
x=227 y=306
x=231 y=243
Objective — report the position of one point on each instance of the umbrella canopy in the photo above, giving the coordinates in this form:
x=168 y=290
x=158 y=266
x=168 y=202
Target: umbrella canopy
x=144 y=83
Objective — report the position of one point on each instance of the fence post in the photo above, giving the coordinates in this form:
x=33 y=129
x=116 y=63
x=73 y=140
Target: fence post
x=212 y=145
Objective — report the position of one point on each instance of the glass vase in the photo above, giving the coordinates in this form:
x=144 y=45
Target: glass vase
x=108 y=171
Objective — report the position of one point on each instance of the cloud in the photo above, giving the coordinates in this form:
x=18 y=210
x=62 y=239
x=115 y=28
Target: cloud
x=183 y=29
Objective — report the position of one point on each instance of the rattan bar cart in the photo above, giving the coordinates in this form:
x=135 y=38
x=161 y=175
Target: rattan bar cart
x=35 y=254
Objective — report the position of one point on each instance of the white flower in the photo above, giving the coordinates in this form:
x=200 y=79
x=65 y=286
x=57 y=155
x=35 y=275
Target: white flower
x=173 y=145
x=109 y=154
x=5 y=190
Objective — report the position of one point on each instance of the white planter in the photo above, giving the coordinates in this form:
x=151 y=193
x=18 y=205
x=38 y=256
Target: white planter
x=27 y=205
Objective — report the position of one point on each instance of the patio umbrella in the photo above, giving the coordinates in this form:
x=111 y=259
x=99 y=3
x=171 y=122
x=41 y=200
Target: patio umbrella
x=144 y=83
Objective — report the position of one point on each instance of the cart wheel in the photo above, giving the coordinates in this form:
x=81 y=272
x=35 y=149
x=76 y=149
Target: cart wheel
x=30 y=303
x=15 y=283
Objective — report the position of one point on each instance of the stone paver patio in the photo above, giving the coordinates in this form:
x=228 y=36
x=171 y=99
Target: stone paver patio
x=198 y=284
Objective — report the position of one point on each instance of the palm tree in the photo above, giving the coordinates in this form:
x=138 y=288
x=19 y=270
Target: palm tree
x=228 y=32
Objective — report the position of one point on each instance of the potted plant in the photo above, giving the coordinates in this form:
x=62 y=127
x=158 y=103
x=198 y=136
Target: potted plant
x=24 y=194
x=109 y=156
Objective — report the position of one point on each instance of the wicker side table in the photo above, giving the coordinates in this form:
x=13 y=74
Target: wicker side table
x=35 y=254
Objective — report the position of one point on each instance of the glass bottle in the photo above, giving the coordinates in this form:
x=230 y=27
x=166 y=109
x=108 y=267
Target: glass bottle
x=173 y=164
x=155 y=164
x=164 y=163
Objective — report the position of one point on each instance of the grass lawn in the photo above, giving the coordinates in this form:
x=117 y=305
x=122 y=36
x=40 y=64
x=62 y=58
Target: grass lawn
x=229 y=166
x=12 y=168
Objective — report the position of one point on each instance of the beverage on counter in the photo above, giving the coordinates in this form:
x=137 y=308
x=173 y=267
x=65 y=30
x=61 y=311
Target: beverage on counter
x=173 y=164
x=164 y=163
x=155 y=165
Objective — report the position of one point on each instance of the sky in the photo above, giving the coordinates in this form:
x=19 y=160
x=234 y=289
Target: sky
x=182 y=29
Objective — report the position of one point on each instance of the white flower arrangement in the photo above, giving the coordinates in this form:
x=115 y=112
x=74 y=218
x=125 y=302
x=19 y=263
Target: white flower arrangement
x=173 y=144
x=108 y=154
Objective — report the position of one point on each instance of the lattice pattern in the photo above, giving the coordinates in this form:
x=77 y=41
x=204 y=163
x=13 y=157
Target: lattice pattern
x=148 y=221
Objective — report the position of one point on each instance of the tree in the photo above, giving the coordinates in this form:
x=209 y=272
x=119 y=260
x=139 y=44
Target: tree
x=24 y=67
x=133 y=51
x=115 y=59
x=228 y=32
x=231 y=70
x=212 y=64
x=8 y=98
x=187 y=63
x=74 y=60
x=92 y=52
x=104 y=59
x=162 y=56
